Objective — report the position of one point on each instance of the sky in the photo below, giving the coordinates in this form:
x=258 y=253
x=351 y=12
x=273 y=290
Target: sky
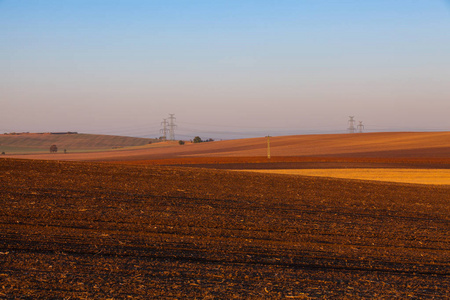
x=224 y=68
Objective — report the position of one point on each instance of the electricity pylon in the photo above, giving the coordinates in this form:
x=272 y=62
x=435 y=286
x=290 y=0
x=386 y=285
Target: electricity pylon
x=164 y=129
x=360 y=127
x=351 y=123
x=172 y=127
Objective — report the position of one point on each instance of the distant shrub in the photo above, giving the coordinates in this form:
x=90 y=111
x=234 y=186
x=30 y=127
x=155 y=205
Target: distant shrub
x=197 y=139
x=181 y=142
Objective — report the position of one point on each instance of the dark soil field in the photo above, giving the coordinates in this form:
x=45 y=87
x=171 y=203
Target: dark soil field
x=79 y=230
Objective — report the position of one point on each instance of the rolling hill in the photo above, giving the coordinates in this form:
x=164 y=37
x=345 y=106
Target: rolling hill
x=386 y=145
x=25 y=143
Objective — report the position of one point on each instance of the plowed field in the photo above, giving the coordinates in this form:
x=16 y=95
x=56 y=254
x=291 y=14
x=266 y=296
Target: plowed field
x=87 y=230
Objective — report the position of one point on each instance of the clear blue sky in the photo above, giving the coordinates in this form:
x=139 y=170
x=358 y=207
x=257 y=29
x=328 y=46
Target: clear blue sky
x=231 y=68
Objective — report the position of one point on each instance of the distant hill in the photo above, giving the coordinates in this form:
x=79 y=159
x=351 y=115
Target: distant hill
x=26 y=143
x=387 y=145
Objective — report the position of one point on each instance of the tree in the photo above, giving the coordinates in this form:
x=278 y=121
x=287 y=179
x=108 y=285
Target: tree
x=181 y=142
x=197 y=139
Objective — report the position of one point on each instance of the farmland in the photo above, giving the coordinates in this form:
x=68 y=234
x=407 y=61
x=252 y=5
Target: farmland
x=190 y=221
x=89 y=230
x=425 y=146
x=418 y=176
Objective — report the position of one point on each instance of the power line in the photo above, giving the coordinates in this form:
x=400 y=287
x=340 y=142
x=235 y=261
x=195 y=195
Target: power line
x=239 y=126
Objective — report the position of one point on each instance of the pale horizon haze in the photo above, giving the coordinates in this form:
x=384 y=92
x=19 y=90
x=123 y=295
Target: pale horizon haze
x=226 y=69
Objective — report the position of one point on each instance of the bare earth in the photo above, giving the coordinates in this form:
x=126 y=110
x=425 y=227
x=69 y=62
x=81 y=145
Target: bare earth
x=98 y=231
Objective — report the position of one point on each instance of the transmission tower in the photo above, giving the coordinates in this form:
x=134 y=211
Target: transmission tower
x=172 y=127
x=351 y=125
x=164 y=129
x=360 y=127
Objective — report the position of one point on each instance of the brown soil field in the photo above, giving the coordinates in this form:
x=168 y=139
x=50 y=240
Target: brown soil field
x=83 y=230
x=386 y=145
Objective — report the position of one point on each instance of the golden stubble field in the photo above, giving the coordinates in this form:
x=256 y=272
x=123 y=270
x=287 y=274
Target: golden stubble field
x=417 y=176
